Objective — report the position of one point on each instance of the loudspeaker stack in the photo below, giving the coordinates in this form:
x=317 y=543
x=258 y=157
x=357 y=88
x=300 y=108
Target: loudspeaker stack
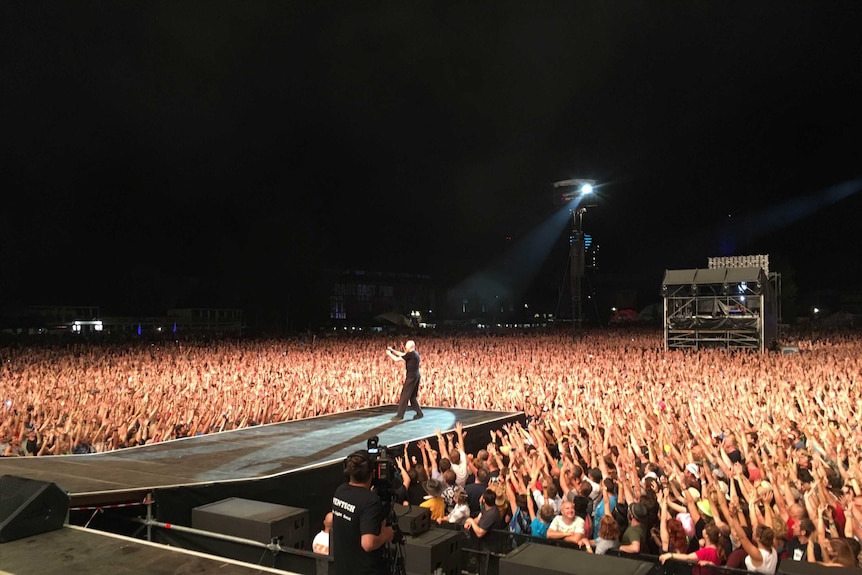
x=29 y=507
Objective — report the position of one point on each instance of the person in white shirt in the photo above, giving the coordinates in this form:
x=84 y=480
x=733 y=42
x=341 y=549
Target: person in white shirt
x=553 y=498
x=567 y=525
x=320 y=544
x=461 y=511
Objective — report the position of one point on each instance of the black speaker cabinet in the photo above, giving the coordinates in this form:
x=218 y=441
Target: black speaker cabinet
x=434 y=551
x=255 y=520
x=413 y=520
x=790 y=567
x=29 y=507
x=539 y=559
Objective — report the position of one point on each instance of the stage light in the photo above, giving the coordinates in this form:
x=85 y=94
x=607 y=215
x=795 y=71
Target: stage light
x=581 y=187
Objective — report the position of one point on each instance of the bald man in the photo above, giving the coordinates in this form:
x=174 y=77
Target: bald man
x=410 y=357
x=320 y=544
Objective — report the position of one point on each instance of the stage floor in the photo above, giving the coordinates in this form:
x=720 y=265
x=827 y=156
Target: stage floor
x=78 y=550
x=241 y=455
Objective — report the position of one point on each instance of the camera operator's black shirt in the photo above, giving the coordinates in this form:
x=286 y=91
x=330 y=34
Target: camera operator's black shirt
x=411 y=361
x=356 y=511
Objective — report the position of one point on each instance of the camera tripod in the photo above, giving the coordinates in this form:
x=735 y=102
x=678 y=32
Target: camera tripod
x=395 y=550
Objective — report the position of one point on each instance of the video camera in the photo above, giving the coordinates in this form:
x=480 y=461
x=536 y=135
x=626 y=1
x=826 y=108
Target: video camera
x=385 y=476
x=385 y=480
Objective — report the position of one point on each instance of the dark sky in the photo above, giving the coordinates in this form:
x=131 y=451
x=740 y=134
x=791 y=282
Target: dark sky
x=240 y=145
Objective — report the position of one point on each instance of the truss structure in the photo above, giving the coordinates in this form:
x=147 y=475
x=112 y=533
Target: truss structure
x=731 y=307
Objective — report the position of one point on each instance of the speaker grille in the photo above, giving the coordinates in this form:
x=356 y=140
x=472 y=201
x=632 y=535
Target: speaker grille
x=29 y=507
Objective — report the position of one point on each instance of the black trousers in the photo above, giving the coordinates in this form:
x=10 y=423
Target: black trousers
x=408 y=395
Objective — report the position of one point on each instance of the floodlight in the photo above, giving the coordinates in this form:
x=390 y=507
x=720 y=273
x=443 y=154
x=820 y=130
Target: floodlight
x=576 y=188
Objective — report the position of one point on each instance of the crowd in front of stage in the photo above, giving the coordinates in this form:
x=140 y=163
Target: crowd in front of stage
x=727 y=495
x=740 y=458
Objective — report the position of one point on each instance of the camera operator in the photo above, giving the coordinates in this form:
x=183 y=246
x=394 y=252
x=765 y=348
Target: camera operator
x=359 y=530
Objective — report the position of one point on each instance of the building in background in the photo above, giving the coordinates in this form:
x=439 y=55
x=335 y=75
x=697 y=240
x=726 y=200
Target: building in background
x=364 y=298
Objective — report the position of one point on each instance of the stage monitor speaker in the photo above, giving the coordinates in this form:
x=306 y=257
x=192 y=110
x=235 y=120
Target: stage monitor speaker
x=412 y=520
x=790 y=567
x=256 y=520
x=29 y=507
x=435 y=551
x=542 y=559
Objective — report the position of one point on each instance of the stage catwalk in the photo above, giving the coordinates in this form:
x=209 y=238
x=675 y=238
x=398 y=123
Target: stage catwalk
x=297 y=464
x=242 y=455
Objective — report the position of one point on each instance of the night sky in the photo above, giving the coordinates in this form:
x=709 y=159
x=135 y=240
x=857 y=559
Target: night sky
x=219 y=153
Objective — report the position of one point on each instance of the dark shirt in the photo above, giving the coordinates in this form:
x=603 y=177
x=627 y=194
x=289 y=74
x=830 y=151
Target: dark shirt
x=415 y=493
x=694 y=542
x=736 y=559
x=356 y=511
x=411 y=362
x=635 y=533
x=475 y=491
x=81 y=448
x=491 y=519
x=797 y=551
x=31 y=447
x=401 y=494
x=735 y=456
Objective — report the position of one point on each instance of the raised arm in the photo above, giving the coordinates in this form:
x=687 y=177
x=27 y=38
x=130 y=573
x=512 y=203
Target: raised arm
x=405 y=477
x=821 y=535
x=460 y=433
x=394 y=354
x=518 y=482
x=739 y=532
x=422 y=450
x=663 y=532
x=432 y=459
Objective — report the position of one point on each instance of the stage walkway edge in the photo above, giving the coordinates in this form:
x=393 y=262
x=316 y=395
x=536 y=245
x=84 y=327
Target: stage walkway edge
x=243 y=455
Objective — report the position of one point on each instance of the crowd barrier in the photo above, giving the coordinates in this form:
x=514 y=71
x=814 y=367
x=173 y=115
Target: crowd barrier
x=483 y=556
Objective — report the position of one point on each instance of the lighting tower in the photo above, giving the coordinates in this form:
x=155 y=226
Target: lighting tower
x=577 y=190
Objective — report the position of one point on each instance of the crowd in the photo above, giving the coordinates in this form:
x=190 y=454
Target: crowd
x=627 y=446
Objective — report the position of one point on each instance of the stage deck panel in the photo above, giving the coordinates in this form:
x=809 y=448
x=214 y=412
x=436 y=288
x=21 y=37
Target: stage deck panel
x=244 y=454
x=78 y=550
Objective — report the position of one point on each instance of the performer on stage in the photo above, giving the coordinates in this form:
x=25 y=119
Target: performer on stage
x=411 y=360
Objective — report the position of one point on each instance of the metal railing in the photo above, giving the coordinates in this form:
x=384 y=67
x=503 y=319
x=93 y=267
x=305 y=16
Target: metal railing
x=483 y=556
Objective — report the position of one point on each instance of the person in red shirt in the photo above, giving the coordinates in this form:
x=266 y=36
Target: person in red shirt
x=711 y=554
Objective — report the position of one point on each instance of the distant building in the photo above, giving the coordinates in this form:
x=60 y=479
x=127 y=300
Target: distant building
x=358 y=297
x=222 y=320
x=88 y=320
